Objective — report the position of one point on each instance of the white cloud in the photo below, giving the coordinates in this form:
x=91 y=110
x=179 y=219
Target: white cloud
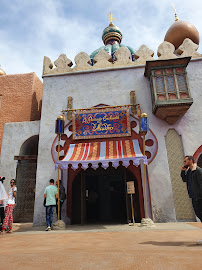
x=32 y=29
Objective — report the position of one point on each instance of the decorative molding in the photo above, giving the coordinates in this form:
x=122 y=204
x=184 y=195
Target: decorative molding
x=69 y=107
x=133 y=102
x=197 y=154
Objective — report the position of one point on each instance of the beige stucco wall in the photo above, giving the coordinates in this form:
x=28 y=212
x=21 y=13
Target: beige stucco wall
x=15 y=134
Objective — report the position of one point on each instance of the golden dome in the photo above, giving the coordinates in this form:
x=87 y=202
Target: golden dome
x=143 y=115
x=2 y=72
x=60 y=117
x=180 y=30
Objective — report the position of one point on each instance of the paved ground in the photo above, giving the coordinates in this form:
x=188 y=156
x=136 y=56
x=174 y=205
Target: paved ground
x=167 y=246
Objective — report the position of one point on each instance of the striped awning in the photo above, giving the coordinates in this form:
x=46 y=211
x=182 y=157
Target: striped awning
x=102 y=152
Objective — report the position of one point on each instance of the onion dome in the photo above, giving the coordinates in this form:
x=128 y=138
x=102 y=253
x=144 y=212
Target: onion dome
x=2 y=72
x=111 y=33
x=112 y=37
x=179 y=31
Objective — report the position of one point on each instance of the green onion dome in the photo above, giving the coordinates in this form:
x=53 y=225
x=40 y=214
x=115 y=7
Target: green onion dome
x=112 y=37
x=111 y=33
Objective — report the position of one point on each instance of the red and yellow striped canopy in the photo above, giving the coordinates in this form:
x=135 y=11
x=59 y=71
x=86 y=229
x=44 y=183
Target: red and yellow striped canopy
x=104 y=152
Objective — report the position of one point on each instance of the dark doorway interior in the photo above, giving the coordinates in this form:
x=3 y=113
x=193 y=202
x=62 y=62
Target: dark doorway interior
x=99 y=196
x=26 y=180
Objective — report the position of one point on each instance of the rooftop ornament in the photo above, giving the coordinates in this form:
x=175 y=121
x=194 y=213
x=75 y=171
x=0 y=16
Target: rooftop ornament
x=176 y=18
x=111 y=19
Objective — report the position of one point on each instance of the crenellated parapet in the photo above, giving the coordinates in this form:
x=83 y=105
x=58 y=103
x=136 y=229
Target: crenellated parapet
x=188 y=48
x=122 y=58
x=181 y=40
x=62 y=65
x=82 y=61
x=143 y=54
x=166 y=50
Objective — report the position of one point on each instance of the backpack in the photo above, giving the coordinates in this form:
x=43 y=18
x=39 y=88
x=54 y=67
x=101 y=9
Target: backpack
x=63 y=195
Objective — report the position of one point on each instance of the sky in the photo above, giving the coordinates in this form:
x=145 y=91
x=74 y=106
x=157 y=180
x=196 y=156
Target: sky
x=30 y=30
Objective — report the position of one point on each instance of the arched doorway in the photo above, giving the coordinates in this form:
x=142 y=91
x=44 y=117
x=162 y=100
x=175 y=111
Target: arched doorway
x=99 y=196
x=26 y=180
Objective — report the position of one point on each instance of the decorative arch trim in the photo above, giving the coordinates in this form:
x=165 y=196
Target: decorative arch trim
x=197 y=154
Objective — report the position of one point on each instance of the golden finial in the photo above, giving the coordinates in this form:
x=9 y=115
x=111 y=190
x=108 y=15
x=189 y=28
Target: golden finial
x=111 y=19
x=144 y=115
x=176 y=18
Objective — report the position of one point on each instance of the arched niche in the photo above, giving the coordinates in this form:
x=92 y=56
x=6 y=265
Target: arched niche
x=183 y=207
x=30 y=146
x=26 y=180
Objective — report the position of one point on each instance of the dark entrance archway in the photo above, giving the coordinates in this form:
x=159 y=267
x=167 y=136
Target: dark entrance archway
x=26 y=180
x=99 y=196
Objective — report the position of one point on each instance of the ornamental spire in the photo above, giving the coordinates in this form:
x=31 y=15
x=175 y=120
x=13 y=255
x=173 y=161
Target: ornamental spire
x=111 y=19
x=176 y=18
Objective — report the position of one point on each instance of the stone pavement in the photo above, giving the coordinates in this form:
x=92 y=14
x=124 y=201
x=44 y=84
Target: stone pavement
x=105 y=247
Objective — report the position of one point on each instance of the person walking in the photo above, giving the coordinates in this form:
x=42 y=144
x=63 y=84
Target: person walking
x=8 y=220
x=50 y=194
x=62 y=196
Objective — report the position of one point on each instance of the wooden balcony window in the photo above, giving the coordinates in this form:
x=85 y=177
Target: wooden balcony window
x=169 y=88
x=170 y=83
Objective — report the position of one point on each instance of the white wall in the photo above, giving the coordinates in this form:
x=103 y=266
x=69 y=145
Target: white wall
x=113 y=88
x=15 y=134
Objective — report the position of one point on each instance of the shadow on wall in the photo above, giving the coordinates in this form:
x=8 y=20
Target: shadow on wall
x=35 y=108
x=30 y=146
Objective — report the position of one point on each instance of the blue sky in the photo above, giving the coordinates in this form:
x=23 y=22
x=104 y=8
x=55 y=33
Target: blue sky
x=31 y=29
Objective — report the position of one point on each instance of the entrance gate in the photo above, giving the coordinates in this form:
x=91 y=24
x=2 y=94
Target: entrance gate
x=99 y=196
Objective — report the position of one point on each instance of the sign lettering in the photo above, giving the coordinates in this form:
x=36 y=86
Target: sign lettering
x=130 y=187
x=101 y=123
